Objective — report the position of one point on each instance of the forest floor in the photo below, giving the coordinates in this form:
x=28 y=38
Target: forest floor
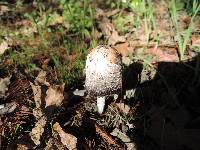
x=43 y=47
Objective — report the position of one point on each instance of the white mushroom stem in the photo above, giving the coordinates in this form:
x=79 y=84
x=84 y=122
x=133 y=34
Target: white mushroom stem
x=101 y=104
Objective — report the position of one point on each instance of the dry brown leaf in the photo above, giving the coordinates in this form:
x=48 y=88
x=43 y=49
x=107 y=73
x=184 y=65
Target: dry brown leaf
x=41 y=78
x=108 y=29
x=168 y=55
x=123 y=107
x=37 y=112
x=22 y=147
x=3 y=47
x=101 y=13
x=37 y=94
x=195 y=41
x=117 y=133
x=115 y=38
x=55 y=95
x=123 y=48
x=68 y=140
x=3 y=9
x=57 y=19
x=112 y=12
x=8 y=108
x=54 y=143
x=28 y=30
x=38 y=130
x=4 y=82
x=24 y=22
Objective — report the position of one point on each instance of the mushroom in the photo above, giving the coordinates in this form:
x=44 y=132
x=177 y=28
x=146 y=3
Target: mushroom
x=103 y=74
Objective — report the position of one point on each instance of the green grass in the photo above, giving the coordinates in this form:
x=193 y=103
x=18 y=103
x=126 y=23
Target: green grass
x=183 y=38
x=66 y=39
x=65 y=43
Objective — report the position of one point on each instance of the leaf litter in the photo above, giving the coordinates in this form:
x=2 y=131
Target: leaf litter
x=48 y=96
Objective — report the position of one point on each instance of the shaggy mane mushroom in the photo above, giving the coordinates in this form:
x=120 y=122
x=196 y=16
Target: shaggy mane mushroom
x=103 y=74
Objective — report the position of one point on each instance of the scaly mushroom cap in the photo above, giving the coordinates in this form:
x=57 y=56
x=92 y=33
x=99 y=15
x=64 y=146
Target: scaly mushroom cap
x=103 y=71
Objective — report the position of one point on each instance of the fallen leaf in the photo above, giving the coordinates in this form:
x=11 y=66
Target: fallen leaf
x=22 y=147
x=28 y=30
x=68 y=140
x=4 y=82
x=24 y=22
x=37 y=94
x=54 y=143
x=117 y=133
x=3 y=9
x=122 y=48
x=3 y=47
x=127 y=61
x=115 y=38
x=195 y=41
x=108 y=29
x=101 y=13
x=112 y=12
x=123 y=108
x=45 y=64
x=41 y=78
x=38 y=130
x=167 y=55
x=8 y=108
x=37 y=112
x=56 y=19
x=55 y=95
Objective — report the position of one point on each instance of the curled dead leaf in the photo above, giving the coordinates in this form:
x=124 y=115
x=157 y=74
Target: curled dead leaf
x=55 y=95
x=41 y=78
x=108 y=29
x=68 y=140
x=123 y=48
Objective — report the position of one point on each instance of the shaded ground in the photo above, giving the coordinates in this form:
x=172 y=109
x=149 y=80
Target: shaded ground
x=43 y=48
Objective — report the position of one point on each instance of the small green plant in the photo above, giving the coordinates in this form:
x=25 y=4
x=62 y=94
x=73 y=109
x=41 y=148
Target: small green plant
x=19 y=3
x=79 y=15
x=141 y=56
x=123 y=23
x=183 y=39
x=145 y=11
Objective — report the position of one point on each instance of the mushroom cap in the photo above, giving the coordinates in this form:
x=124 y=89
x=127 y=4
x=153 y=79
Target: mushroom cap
x=103 y=71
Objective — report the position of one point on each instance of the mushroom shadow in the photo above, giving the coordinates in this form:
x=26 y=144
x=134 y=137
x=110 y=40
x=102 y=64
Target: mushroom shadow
x=168 y=116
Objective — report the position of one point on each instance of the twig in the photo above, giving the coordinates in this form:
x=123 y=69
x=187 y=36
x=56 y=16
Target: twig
x=107 y=137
